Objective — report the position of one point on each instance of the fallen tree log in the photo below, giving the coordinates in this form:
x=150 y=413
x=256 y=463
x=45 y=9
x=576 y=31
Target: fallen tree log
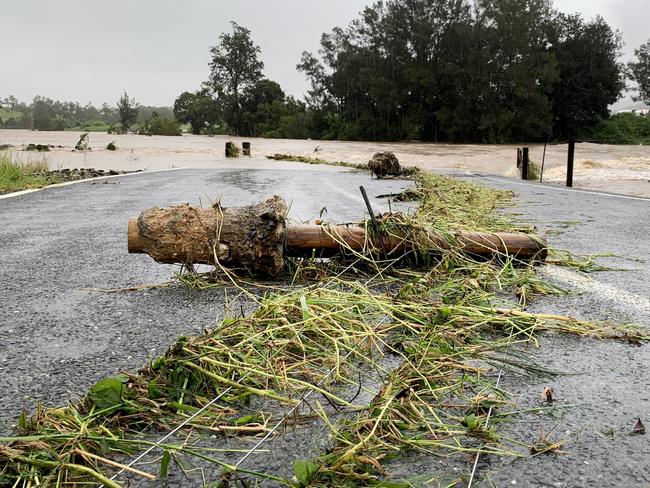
x=257 y=238
x=250 y=237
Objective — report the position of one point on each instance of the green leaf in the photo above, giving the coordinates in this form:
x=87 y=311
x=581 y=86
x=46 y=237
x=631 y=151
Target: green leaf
x=246 y=419
x=153 y=390
x=22 y=420
x=305 y=309
x=164 y=464
x=392 y=484
x=107 y=393
x=304 y=471
x=158 y=363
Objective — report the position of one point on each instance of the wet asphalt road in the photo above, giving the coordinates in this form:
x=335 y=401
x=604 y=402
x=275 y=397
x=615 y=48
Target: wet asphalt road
x=57 y=338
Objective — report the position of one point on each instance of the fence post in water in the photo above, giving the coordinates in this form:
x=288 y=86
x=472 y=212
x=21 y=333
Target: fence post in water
x=569 y=163
x=518 y=157
x=246 y=148
x=524 y=163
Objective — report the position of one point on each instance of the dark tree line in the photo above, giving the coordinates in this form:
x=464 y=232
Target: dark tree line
x=434 y=70
x=493 y=71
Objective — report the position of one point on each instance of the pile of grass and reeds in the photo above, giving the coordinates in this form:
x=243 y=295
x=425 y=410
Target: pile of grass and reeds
x=20 y=175
x=396 y=359
x=534 y=171
x=404 y=171
x=311 y=160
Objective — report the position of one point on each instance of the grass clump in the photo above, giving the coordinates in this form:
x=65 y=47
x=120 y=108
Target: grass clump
x=232 y=150
x=533 y=171
x=20 y=175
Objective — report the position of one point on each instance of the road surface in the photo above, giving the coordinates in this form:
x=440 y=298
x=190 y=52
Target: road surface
x=57 y=338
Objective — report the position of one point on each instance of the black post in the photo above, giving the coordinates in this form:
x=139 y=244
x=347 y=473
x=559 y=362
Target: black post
x=373 y=220
x=569 y=163
x=541 y=171
x=246 y=148
x=524 y=164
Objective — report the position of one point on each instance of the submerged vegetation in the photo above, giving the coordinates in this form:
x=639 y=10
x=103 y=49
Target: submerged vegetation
x=391 y=360
x=623 y=128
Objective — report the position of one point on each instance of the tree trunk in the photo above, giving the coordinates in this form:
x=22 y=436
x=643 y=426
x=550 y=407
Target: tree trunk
x=250 y=238
x=256 y=238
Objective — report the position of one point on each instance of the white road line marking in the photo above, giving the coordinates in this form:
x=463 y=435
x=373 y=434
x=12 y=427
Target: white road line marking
x=595 y=288
x=556 y=188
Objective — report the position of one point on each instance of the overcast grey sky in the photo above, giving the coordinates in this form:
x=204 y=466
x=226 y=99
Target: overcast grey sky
x=91 y=50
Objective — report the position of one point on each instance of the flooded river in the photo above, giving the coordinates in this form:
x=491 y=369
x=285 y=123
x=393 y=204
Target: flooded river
x=619 y=169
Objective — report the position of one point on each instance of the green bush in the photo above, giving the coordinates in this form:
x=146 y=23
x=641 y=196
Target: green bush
x=622 y=129
x=232 y=150
x=159 y=126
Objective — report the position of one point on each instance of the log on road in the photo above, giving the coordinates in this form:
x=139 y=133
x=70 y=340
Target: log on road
x=256 y=238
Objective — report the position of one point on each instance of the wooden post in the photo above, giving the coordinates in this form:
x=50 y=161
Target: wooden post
x=246 y=148
x=518 y=157
x=541 y=171
x=524 y=163
x=569 y=163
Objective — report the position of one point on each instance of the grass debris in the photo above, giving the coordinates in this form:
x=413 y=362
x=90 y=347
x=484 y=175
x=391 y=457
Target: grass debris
x=404 y=171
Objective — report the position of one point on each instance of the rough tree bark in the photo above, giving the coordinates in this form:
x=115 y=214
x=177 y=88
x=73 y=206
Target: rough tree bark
x=250 y=237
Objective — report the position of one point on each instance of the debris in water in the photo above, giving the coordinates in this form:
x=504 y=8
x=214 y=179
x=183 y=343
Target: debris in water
x=384 y=164
x=548 y=394
x=639 y=428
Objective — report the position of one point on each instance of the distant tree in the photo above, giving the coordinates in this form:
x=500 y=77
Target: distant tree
x=261 y=107
x=590 y=76
x=234 y=67
x=159 y=126
x=108 y=114
x=127 y=109
x=520 y=70
x=198 y=109
x=640 y=71
x=12 y=102
x=43 y=113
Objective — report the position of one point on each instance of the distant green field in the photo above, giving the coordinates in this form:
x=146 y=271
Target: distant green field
x=98 y=127
x=8 y=114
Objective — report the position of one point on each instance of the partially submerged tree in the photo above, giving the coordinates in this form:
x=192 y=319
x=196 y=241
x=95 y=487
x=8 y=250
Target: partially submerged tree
x=640 y=71
x=198 y=109
x=234 y=67
x=590 y=78
x=127 y=109
x=44 y=116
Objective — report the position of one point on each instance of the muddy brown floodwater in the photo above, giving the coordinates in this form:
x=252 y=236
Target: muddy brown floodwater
x=618 y=169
